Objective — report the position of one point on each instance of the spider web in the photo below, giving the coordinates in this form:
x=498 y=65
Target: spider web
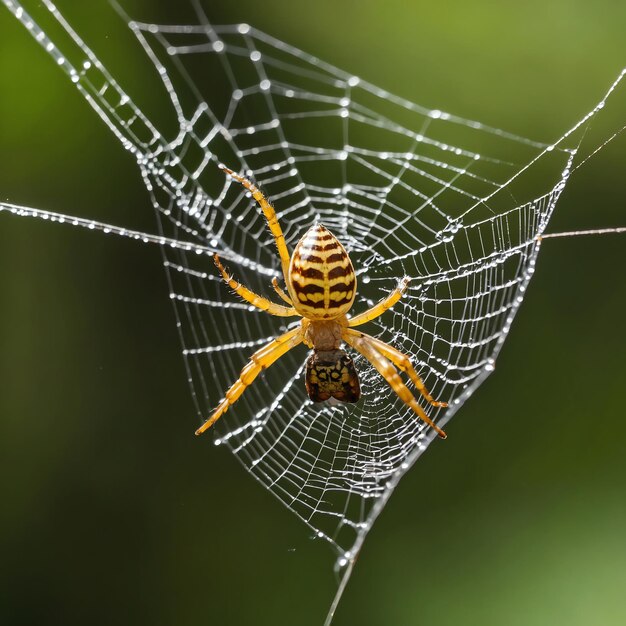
x=455 y=205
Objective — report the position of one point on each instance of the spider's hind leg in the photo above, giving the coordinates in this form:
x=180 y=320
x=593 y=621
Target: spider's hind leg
x=279 y=290
x=270 y=216
x=254 y=299
x=378 y=309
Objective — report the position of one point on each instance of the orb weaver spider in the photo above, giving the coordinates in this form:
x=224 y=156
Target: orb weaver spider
x=321 y=288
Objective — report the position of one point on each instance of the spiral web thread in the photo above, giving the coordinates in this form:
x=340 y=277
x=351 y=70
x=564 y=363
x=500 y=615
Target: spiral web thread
x=455 y=205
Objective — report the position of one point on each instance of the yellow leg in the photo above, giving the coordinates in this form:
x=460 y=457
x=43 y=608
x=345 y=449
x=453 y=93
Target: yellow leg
x=390 y=374
x=270 y=216
x=280 y=292
x=378 y=309
x=400 y=360
x=249 y=296
x=259 y=361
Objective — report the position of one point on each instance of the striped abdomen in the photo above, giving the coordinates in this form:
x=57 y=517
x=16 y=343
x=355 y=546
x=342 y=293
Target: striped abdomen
x=321 y=276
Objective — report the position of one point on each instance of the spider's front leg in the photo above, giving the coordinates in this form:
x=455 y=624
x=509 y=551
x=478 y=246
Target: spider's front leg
x=400 y=360
x=260 y=360
x=363 y=343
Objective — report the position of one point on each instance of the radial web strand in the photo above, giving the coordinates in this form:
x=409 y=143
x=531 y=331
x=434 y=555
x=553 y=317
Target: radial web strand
x=455 y=205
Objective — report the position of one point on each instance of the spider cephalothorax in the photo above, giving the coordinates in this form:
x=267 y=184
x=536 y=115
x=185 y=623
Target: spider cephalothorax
x=331 y=374
x=321 y=288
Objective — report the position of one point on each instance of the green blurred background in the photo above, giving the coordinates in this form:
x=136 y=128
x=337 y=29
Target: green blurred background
x=112 y=512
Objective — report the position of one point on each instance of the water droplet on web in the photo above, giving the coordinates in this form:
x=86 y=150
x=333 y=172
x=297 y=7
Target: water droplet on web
x=344 y=559
x=447 y=234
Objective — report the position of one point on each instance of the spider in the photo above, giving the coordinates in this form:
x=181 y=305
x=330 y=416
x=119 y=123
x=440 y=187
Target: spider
x=321 y=288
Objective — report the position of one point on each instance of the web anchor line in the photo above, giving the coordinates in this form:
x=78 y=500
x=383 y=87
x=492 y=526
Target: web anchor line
x=580 y=233
x=136 y=235
x=410 y=191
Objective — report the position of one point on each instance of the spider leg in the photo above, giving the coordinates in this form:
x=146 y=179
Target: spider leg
x=386 y=369
x=260 y=360
x=280 y=292
x=270 y=216
x=400 y=360
x=378 y=309
x=249 y=296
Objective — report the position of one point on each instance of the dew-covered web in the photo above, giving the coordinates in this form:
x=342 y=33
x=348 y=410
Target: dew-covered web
x=455 y=205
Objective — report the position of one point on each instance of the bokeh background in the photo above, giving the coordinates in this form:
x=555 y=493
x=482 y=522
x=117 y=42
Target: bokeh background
x=112 y=512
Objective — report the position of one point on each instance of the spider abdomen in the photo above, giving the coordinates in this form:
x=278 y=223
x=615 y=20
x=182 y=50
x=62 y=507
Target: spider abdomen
x=323 y=282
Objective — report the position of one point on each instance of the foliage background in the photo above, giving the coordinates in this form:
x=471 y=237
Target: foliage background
x=112 y=512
